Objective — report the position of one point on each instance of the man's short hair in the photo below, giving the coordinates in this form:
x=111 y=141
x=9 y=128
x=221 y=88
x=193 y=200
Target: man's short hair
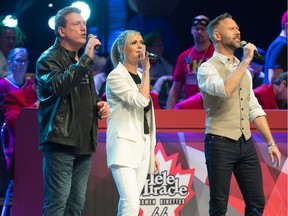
x=60 y=18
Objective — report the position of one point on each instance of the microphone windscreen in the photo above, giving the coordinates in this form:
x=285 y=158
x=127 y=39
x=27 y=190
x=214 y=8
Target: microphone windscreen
x=243 y=43
x=97 y=47
x=90 y=36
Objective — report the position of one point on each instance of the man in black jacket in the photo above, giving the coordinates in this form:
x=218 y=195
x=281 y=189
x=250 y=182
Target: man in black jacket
x=68 y=114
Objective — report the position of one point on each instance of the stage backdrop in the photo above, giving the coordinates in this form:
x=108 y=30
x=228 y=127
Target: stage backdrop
x=181 y=188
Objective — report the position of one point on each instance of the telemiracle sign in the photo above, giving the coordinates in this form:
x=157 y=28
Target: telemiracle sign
x=166 y=193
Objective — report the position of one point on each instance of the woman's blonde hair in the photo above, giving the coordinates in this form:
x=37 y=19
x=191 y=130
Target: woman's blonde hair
x=121 y=42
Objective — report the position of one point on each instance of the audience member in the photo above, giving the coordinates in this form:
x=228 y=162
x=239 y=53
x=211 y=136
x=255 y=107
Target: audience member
x=155 y=100
x=68 y=114
x=162 y=87
x=7 y=43
x=256 y=67
x=147 y=23
x=8 y=63
x=230 y=105
x=12 y=105
x=99 y=74
x=160 y=69
x=158 y=66
x=273 y=95
x=130 y=155
x=184 y=74
x=193 y=102
x=276 y=55
x=17 y=65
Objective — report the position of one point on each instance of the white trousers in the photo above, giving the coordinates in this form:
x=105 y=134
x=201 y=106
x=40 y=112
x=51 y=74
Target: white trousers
x=130 y=182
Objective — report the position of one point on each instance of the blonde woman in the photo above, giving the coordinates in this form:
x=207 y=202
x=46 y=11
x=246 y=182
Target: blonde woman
x=131 y=131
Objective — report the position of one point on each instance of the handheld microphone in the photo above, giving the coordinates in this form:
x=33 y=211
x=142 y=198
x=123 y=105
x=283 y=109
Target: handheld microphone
x=256 y=54
x=152 y=55
x=97 y=47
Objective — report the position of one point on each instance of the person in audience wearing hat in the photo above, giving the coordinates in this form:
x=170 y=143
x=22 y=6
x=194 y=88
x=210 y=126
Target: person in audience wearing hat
x=184 y=74
x=256 y=69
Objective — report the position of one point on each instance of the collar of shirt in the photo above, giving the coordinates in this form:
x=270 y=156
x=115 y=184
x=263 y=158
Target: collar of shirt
x=226 y=61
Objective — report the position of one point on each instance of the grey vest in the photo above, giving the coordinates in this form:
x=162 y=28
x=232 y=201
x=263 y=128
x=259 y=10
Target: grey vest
x=228 y=117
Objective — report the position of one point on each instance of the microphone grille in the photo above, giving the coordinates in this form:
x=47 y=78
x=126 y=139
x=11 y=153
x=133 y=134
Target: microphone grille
x=90 y=36
x=243 y=43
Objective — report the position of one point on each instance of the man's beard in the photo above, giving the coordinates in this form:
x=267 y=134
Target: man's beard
x=199 y=40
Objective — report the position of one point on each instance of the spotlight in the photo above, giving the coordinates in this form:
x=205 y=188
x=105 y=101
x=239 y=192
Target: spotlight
x=85 y=10
x=51 y=22
x=10 y=21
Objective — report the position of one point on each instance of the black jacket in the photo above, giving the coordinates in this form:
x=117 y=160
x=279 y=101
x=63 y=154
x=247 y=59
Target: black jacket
x=60 y=82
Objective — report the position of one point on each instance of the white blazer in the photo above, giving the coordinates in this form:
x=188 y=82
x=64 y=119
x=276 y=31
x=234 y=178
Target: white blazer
x=125 y=124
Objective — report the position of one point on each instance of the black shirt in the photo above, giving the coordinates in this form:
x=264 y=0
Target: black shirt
x=137 y=80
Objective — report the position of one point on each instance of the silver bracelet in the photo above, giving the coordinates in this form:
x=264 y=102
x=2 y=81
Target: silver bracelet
x=272 y=144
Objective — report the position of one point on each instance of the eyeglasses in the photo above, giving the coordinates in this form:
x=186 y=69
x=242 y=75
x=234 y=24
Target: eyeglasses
x=21 y=62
